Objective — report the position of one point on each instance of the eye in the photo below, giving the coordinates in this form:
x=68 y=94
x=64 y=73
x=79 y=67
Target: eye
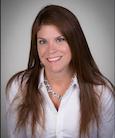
x=41 y=41
x=60 y=39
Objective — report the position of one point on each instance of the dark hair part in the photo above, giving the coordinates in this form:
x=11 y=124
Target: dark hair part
x=82 y=64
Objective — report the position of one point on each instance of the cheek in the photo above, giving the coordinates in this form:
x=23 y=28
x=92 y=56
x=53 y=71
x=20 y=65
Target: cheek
x=41 y=53
x=68 y=51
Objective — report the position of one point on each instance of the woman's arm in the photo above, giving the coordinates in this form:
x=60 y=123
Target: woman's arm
x=11 y=104
x=107 y=118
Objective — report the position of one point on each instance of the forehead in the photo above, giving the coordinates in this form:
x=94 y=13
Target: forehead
x=48 y=30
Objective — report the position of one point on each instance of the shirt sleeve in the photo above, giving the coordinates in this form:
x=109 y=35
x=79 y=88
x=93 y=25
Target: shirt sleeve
x=12 y=114
x=107 y=119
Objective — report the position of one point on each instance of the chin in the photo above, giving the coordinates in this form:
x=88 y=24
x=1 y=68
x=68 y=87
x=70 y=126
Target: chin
x=57 y=69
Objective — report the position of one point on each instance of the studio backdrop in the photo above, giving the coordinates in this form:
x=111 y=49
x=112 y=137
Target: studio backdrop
x=95 y=16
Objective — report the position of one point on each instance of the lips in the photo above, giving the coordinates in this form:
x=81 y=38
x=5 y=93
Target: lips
x=54 y=59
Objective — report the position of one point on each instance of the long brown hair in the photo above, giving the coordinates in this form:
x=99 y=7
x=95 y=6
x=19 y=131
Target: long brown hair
x=82 y=64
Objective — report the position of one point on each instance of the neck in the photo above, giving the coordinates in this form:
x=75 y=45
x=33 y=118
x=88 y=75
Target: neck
x=59 y=81
x=58 y=77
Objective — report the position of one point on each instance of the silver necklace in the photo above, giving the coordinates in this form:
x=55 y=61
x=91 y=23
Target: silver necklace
x=50 y=91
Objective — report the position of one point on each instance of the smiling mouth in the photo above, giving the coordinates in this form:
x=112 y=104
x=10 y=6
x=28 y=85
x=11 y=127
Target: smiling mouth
x=54 y=59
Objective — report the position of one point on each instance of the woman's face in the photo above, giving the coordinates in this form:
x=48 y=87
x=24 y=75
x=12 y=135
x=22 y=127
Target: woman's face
x=53 y=49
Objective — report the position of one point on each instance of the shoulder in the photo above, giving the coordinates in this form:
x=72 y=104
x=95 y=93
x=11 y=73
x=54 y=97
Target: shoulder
x=14 y=86
x=106 y=93
x=106 y=102
x=13 y=90
x=107 y=97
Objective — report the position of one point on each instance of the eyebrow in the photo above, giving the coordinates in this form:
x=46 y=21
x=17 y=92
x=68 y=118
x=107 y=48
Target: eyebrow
x=40 y=38
x=46 y=38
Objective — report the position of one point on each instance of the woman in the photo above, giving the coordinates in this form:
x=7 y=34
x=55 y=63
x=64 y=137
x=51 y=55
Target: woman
x=62 y=93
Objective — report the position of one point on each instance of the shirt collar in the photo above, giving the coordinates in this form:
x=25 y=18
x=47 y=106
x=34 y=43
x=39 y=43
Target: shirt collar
x=41 y=80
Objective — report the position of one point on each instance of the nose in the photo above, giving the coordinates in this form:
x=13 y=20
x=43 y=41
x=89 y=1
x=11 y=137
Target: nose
x=52 y=47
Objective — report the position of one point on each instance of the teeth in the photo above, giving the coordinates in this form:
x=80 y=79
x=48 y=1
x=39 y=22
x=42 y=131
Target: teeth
x=53 y=59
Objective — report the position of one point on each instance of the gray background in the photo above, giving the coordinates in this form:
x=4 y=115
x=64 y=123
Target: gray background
x=96 y=18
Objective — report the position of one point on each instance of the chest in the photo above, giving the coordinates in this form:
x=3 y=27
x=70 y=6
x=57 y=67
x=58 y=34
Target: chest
x=65 y=121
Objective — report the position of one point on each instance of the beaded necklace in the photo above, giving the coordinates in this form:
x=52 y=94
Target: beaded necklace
x=50 y=91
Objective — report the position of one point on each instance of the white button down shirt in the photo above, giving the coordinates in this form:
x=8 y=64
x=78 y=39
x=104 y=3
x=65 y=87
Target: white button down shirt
x=64 y=123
